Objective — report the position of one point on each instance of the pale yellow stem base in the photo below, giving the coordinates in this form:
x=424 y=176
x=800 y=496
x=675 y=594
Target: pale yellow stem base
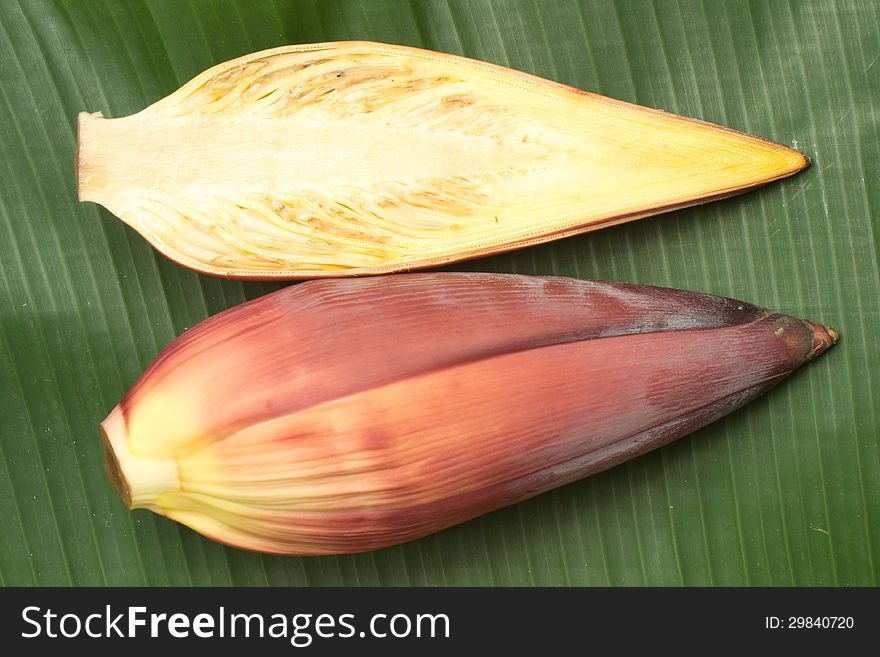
x=140 y=481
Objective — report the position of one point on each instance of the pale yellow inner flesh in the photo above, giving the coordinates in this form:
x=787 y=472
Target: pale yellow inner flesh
x=367 y=158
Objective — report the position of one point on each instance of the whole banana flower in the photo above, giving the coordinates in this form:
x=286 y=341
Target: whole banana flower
x=346 y=415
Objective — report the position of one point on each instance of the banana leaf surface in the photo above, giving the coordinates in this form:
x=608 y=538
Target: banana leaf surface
x=784 y=492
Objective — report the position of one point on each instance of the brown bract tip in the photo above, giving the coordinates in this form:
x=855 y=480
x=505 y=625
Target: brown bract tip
x=833 y=334
x=823 y=337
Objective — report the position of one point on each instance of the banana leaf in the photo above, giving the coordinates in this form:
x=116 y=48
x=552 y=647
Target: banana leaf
x=783 y=492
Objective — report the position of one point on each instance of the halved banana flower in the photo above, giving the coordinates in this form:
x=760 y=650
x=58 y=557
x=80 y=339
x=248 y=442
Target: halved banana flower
x=351 y=158
x=342 y=416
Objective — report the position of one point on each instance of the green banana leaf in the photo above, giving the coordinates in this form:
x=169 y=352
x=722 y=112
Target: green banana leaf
x=783 y=492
